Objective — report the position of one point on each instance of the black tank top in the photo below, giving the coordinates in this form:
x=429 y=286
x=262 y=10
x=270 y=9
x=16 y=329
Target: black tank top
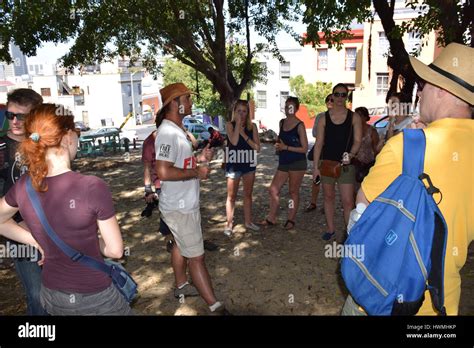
x=338 y=138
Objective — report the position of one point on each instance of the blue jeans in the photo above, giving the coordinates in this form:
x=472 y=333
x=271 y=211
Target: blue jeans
x=30 y=276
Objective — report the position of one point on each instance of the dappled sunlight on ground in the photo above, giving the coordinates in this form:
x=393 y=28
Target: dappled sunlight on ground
x=268 y=272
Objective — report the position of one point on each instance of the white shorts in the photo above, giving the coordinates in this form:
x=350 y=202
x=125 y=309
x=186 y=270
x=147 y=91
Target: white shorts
x=186 y=230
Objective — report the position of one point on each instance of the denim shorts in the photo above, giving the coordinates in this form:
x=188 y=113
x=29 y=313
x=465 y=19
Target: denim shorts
x=231 y=174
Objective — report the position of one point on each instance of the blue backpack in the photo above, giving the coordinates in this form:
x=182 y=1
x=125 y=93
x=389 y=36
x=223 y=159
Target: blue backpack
x=403 y=235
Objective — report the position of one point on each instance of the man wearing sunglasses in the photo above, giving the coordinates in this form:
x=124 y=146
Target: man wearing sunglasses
x=446 y=97
x=19 y=103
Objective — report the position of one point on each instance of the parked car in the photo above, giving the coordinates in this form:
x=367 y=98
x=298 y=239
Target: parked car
x=376 y=114
x=199 y=130
x=190 y=120
x=81 y=126
x=105 y=134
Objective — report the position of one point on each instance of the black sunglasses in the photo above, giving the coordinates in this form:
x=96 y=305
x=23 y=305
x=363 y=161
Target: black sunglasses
x=11 y=115
x=342 y=95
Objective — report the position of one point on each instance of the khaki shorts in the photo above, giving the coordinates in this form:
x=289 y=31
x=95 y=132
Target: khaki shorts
x=186 y=230
x=347 y=176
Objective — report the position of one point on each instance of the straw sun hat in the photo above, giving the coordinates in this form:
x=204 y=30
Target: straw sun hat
x=452 y=70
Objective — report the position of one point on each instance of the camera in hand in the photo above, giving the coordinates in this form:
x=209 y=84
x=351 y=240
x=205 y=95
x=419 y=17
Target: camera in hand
x=149 y=208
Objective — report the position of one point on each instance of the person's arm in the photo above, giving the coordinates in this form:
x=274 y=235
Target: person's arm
x=255 y=142
x=193 y=140
x=147 y=174
x=111 y=243
x=375 y=140
x=318 y=147
x=303 y=141
x=361 y=198
x=232 y=133
x=147 y=182
x=390 y=128
x=315 y=125
x=168 y=172
x=10 y=229
x=357 y=131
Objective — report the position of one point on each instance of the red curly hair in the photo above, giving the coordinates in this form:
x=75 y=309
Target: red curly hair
x=51 y=122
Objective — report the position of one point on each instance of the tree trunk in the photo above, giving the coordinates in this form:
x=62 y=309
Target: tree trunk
x=398 y=60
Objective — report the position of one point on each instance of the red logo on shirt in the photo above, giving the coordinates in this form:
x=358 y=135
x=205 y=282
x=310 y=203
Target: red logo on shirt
x=190 y=162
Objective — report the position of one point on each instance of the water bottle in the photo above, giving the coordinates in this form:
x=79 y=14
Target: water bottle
x=355 y=215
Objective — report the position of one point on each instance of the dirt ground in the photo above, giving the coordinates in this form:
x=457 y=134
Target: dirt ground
x=270 y=272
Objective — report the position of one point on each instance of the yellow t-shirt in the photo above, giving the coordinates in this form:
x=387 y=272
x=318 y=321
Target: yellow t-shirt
x=449 y=161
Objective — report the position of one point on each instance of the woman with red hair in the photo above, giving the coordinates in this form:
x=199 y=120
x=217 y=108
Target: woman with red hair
x=76 y=206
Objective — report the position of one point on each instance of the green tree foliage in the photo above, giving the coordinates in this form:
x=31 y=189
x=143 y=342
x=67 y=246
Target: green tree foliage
x=198 y=33
x=311 y=95
x=208 y=98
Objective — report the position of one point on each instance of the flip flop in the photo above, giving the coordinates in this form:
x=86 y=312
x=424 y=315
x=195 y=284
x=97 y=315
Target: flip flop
x=266 y=223
x=310 y=207
x=288 y=222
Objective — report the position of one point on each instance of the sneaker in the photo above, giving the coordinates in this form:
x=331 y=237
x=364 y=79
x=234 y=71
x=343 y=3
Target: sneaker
x=210 y=246
x=252 y=226
x=228 y=231
x=329 y=235
x=221 y=311
x=187 y=291
x=169 y=246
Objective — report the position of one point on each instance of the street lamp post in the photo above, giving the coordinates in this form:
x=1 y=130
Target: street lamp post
x=133 y=99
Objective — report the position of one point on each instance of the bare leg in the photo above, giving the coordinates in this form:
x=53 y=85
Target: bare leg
x=278 y=181
x=329 y=191
x=314 y=193
x=232 y=188
x=295 y=179
x=179 y=263
x=347 y=197
x=248 y=181
x=201 y=279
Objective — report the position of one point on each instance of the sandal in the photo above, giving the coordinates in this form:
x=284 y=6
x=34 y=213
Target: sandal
x=288 y=222
x=266 y=223
x=310 y=207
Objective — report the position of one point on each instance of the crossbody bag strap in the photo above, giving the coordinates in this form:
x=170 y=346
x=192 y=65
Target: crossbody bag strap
x=72 y=253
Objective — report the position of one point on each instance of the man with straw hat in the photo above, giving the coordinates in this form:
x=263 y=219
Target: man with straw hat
x=180 y=173
x=445 y=89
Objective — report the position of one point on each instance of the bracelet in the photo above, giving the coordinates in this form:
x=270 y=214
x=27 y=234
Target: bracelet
x=247 y=139
x=287 y=147
x=148 y=189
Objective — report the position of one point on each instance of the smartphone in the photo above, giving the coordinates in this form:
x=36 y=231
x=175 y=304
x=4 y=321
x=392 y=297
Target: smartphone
x=317 y=180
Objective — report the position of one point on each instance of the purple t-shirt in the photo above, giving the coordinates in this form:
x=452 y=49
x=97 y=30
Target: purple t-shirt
x=72 y=204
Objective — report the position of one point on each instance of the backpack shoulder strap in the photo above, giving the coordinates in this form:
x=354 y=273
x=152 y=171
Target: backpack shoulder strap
x=414 y=144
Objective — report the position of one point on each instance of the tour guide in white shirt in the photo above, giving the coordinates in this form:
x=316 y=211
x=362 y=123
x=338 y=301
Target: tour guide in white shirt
x=180 y=173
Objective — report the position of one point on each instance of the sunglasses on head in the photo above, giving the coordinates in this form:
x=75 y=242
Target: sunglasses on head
x=341 y=95
x=11 y=115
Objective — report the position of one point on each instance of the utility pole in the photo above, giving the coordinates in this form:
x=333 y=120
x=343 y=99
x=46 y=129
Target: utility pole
x=133 y=99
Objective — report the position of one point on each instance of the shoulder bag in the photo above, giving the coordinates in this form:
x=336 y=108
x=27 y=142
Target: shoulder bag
x=331 y=168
